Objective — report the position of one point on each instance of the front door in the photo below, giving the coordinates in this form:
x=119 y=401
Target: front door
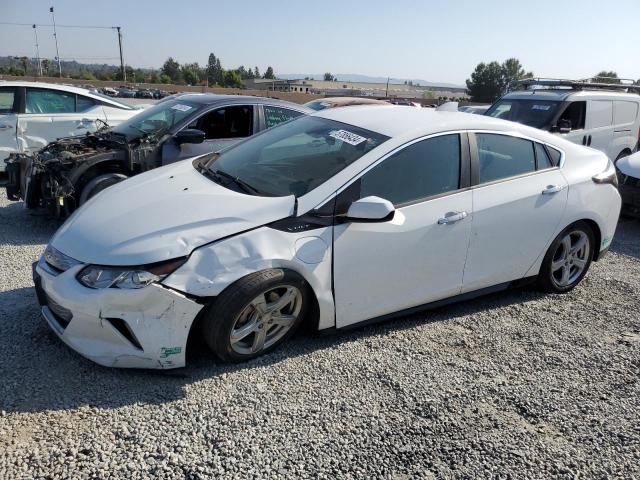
x=8 y=123
x=419 y=256
x=517 y=207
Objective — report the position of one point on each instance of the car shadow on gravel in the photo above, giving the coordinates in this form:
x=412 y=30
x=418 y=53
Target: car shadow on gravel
x=627 y=238
x=39 y=373
x=19 y=226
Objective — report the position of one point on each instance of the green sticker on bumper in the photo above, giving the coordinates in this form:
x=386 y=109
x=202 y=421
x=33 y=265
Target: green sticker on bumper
x=168 y=351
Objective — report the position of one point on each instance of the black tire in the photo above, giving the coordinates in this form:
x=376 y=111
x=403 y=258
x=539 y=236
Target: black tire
x=98 y=184
x=547 y=281
x=224 y=314
x=624 y=153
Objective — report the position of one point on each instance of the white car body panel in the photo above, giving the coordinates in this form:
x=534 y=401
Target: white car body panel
x=630 y=165
x=372 y=269
x=32 y=131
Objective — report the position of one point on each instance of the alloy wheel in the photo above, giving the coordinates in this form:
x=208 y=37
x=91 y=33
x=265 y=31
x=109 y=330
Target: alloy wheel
x=266 y=319
x=570 y=258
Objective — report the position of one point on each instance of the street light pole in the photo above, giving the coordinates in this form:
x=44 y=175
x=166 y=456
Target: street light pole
x=35 y=31
x=124 y=72
x=55 y=35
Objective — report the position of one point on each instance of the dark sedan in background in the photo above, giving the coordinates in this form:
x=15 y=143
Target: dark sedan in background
x=67 y=172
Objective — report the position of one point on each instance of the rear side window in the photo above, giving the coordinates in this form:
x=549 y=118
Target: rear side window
x=502 y=156
x=554 y=155
x=275 y=115
x=8 y=99
x=599 y=113
x=424 y=169
x=84 y=103
x=624 y=112
x=49 y=101
x=542 y=158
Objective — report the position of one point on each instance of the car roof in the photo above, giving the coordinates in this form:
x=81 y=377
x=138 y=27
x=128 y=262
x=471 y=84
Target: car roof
x=398 y=121
x=563 y=94
x=65 y=88
x=214 y=98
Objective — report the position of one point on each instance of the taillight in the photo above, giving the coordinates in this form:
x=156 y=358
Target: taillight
x=607 y=176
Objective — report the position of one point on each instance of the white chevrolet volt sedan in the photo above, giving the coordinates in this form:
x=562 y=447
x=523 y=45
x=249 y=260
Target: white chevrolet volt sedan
x=342 y=217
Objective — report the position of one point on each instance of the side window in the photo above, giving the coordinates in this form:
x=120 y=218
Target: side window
x=275 y=115
x=49 y=101
x=555 y=156
x=542 y=158
x=421 y=170
x=575 y=113
x=84 y=103
x=599 y=113
x=8 y=100
x=624 y=112
x=502 y=156
x=227 y=122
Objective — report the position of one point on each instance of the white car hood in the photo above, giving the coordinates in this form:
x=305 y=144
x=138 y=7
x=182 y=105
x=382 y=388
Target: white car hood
x=630 y=165
x=162 y=214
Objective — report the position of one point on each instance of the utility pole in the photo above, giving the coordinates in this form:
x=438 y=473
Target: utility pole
x=35 y=31
x=55 y=35
x=124 y=72
x=386 y=94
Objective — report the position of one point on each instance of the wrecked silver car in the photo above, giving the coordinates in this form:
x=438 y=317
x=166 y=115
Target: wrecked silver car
x=67 y=172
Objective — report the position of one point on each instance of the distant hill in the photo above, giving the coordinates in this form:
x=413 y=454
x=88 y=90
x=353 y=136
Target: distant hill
x=354 y=77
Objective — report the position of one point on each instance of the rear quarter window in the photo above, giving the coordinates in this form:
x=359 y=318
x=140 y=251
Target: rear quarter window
x=624 y=112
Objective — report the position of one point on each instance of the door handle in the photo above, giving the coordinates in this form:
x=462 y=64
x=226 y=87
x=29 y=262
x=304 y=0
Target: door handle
x=551 y=189
x=452 y=217
x=4 y=126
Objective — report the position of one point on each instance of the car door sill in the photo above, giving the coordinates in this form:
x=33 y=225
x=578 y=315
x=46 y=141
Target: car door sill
x=432 y=305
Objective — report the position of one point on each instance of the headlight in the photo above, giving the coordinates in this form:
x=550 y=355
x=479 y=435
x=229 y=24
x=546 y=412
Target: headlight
x=95 y=276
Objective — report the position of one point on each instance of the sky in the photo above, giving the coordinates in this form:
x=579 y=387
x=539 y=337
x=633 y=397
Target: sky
x=439 y=41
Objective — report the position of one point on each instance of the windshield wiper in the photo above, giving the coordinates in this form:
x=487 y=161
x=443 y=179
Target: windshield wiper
x=241 y=183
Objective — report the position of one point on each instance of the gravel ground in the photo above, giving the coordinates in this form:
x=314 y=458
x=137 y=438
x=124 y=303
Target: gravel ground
x=513 y=385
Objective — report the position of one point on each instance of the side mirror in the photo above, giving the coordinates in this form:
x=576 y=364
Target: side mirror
x=371 y=209
x=189 y=135
x=563 y=126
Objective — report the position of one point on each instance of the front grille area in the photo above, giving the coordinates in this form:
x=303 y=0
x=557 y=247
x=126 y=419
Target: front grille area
x=63 y=315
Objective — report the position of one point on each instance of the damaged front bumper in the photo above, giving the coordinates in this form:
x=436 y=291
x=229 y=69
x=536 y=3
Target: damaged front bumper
x=143 y=328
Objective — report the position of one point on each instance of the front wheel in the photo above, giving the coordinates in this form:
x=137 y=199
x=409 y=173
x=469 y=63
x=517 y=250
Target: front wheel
x=567 y=260
x=98 y=184
x=256 y=314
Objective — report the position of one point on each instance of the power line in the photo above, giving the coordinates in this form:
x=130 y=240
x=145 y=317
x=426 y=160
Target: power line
x=58 y=26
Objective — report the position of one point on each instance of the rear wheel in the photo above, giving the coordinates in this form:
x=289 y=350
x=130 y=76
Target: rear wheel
x=256 y=314
x=98 y=184
x=567 y=260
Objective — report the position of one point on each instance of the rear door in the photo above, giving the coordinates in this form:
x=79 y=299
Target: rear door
x=518 y=203
x=8 y=123
x=625 y=126
x=51 y=114
x=599 y=125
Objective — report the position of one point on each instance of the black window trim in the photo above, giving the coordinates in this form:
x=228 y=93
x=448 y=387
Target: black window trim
x=464 y=180
x=475 y=163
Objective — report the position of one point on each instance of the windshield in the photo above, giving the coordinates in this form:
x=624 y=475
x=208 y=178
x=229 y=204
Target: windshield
x=157 y=119
x=295 y=157
x=317 y=105
x=535 y=113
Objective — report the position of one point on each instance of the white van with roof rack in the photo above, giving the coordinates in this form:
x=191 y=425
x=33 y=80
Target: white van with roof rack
x=604 y=116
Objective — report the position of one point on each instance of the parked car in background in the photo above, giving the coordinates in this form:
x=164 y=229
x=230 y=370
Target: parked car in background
x=476 y=109
x=601 y=116
x=144 y=93
x=67 y=172
x=158 y=94
x=333 y=102
x=332 y=219
x=32 y=114
x=629 y=184
x=126 y=93
x=112 y=92
x=404 y=102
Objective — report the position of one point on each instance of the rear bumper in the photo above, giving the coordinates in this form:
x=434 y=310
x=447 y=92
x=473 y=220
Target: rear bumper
x=145 y=328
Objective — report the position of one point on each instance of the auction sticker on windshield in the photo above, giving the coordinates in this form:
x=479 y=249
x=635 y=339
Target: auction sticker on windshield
x=182 y=108
x=347 y=136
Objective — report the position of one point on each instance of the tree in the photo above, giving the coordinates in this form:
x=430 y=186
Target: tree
x=191 y=72
x=489 y=80
x=485 y=84
x=269 y=74
x=46 y=63
x=328 y=77
x=256 y=73
x=232 y=79
x=171 y=68
x=606 y=77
